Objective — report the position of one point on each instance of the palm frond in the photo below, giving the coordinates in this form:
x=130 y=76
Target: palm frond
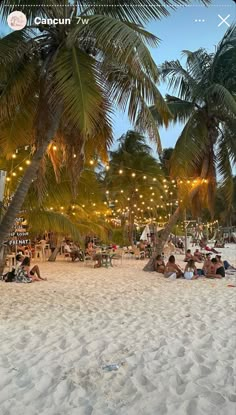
x=42 y=219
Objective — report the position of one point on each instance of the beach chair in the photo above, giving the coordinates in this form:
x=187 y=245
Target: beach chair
x=88 y=260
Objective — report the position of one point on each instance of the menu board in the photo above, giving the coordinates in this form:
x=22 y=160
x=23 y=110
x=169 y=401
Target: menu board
x=19 y=233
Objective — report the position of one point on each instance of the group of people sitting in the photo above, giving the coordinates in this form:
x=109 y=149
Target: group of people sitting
x=212 y=268
x=22 y=272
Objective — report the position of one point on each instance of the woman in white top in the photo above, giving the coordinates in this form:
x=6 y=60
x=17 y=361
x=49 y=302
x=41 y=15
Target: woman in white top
x=190 y=272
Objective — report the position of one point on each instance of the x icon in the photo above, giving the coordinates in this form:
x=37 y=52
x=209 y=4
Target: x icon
x=223 y=20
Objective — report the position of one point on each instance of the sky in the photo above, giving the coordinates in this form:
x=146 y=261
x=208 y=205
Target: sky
x=177 y=32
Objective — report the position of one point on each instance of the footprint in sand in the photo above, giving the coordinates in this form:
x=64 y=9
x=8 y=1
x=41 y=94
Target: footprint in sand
x=145 y=382
x=181 y=352
x=232 y=397
x=215 y=398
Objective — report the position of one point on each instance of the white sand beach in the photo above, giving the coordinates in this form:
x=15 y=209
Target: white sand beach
x=174 y=340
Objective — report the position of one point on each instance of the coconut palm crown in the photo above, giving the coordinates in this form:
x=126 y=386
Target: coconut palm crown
x=205 y=102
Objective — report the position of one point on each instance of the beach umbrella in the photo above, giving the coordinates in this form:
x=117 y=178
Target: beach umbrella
x=145 y=233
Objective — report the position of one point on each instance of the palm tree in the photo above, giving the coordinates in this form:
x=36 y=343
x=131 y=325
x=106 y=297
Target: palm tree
x=60 y=80
x=134 y=181
x=65 y=78
x=205 y=102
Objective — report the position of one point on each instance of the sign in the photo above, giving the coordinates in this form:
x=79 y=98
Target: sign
x=18 y=235
x=13 y=242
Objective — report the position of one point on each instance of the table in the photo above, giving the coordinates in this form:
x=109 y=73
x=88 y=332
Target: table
x=106 y=260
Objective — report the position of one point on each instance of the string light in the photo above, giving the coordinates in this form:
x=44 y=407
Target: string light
x=133 y=174
x=28 y=162
x=54 y=148
x=120 y=171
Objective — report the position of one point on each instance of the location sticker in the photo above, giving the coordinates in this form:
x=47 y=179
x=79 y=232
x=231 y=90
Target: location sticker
x=17 y=20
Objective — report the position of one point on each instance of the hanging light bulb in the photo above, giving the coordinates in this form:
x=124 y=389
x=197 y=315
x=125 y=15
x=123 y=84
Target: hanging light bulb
x=133 y=174
x=120 y=171
x=20 y=168
x=91 y=162
x=28 y=162
x=54 y=148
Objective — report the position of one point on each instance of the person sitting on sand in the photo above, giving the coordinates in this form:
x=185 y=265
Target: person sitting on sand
x=171 y=267
x=224 y=264
x=207 y=264
x=188 y=255
x=159 y=264
x=219 y=244
x=190 y=272
x=25 y=274
x=212 y=270
x=197 y=254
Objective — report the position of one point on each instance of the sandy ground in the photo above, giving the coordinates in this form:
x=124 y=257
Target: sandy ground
x=175 y=342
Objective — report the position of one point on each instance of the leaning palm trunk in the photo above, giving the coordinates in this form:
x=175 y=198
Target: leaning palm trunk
x=21 y=192
x=159 y=245
x=150 y=266
x=56 y=251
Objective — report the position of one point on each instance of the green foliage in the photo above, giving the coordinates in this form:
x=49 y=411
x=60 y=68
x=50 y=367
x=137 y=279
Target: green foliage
x=205 y=102
x=119 y=238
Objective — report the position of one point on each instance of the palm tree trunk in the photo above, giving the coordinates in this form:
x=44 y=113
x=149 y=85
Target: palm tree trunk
x=158 y=249
x=54 y=254
x=21 y=191
x=150 y=266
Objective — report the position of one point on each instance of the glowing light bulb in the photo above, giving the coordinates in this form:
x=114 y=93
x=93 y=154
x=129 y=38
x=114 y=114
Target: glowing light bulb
x=133 y=174
x=120 y=171
x=20 y=168
x=13 y=156
x=14 y=174
x=28 y=162
x=91 y=162
x=55 y=148
x=144 y=177
x=8 y=179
